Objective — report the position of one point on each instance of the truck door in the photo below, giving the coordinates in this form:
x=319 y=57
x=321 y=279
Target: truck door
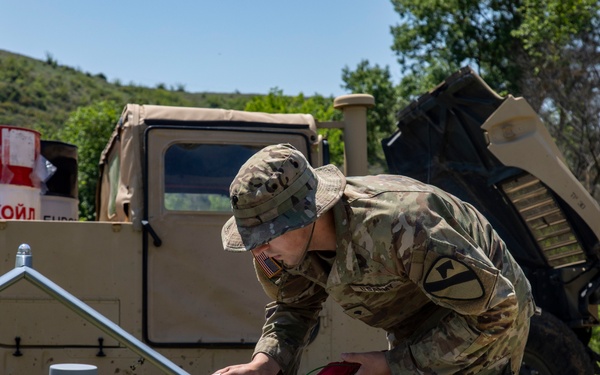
x=196 y=294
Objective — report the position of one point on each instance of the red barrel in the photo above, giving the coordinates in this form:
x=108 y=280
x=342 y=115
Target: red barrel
x=20 y=149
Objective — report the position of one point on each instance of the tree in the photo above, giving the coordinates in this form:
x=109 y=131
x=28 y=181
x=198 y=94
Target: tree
x=380 y=119
x=89 y=128
x=320 y=107
x=437 y=34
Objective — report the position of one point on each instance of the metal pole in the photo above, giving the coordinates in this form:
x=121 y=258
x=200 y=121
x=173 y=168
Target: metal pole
x=354 y=108
x=101 y=322
x=83 y=310
x=11 y=277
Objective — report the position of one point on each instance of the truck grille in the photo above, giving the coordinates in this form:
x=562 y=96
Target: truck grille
x=545 y=220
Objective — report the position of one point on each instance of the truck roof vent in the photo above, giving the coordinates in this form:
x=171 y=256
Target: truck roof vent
x=545 y=219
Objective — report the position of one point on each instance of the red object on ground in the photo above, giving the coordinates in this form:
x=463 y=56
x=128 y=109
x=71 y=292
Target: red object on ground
x=340 y=368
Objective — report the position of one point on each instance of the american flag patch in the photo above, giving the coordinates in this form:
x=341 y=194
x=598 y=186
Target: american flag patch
x=269 y=266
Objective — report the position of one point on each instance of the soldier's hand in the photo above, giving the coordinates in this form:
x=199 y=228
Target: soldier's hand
x=371 y=363
x=261 y=364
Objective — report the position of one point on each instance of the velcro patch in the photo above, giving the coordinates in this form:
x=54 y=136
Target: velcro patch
x=269 y=265
x=376 y=288
x=452 y=279
x=358 y=312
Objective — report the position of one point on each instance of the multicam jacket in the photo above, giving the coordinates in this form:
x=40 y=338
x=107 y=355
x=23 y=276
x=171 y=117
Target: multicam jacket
x=408 y=255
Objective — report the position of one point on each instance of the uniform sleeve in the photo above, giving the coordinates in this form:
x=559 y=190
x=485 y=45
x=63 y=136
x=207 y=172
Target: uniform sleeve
x=289 y=318
x=448 y=263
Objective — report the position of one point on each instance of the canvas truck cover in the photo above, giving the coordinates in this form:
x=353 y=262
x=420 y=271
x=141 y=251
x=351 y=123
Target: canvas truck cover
x=120 y=189
x=495 y=153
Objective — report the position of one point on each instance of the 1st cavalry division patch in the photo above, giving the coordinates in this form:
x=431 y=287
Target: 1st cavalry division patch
x=451 y=279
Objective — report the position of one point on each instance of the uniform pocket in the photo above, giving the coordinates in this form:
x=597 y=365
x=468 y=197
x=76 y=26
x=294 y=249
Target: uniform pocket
x=451 y=343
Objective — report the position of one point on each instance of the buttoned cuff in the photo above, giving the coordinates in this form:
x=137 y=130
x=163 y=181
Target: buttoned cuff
x=273 y=348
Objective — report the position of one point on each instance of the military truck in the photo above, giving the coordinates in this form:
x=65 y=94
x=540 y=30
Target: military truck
x=153 y=263
x=495 y=153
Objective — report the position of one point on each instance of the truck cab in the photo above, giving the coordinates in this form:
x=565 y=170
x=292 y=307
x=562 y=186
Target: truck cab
x=153 y=263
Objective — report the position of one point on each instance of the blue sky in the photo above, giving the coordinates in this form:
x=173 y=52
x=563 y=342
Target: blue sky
x=207 y=45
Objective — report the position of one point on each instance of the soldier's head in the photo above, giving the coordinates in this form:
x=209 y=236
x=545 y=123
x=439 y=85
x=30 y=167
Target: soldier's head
x=277 y=191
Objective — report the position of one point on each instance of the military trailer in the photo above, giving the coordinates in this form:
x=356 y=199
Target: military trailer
x=495 y=153
x=153 y=262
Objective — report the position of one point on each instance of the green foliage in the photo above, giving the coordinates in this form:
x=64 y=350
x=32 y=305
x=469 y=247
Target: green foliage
x=595 y=340
x=320 y=107
x=89 y=128
x=380 y=119
x=549 y=26
x=418 y=83
x=41 y=95
x=438 y=34
x=197 y=202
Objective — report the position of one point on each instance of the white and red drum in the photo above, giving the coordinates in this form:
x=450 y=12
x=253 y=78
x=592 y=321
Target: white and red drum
x=20 y=150
x=19 y=188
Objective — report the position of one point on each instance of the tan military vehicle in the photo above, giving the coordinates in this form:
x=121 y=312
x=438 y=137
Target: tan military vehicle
x=160 y=296
x=153 y=264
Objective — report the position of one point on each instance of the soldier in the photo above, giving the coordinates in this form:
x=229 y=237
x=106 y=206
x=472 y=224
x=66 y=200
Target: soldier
x=393 y=252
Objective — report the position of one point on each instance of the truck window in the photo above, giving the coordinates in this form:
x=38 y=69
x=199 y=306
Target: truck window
x=197 y=176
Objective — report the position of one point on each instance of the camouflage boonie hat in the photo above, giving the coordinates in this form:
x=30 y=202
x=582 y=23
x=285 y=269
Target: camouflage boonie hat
x=277 y=191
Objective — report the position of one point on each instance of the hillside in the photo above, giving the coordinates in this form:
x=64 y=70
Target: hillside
x=40 y=95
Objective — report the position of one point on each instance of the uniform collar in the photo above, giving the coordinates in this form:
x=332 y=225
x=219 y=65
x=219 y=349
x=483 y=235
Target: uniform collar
x=345 y=268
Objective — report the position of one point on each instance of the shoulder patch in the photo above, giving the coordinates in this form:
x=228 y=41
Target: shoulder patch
x=452 y=279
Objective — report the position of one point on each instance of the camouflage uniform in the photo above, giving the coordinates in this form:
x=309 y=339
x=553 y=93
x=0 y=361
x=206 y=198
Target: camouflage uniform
x=408 y=255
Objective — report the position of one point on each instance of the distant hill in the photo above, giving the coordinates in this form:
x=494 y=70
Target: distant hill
x=40 y=95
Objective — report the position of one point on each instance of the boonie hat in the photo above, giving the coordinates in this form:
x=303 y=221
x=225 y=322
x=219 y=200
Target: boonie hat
x=277 y=191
